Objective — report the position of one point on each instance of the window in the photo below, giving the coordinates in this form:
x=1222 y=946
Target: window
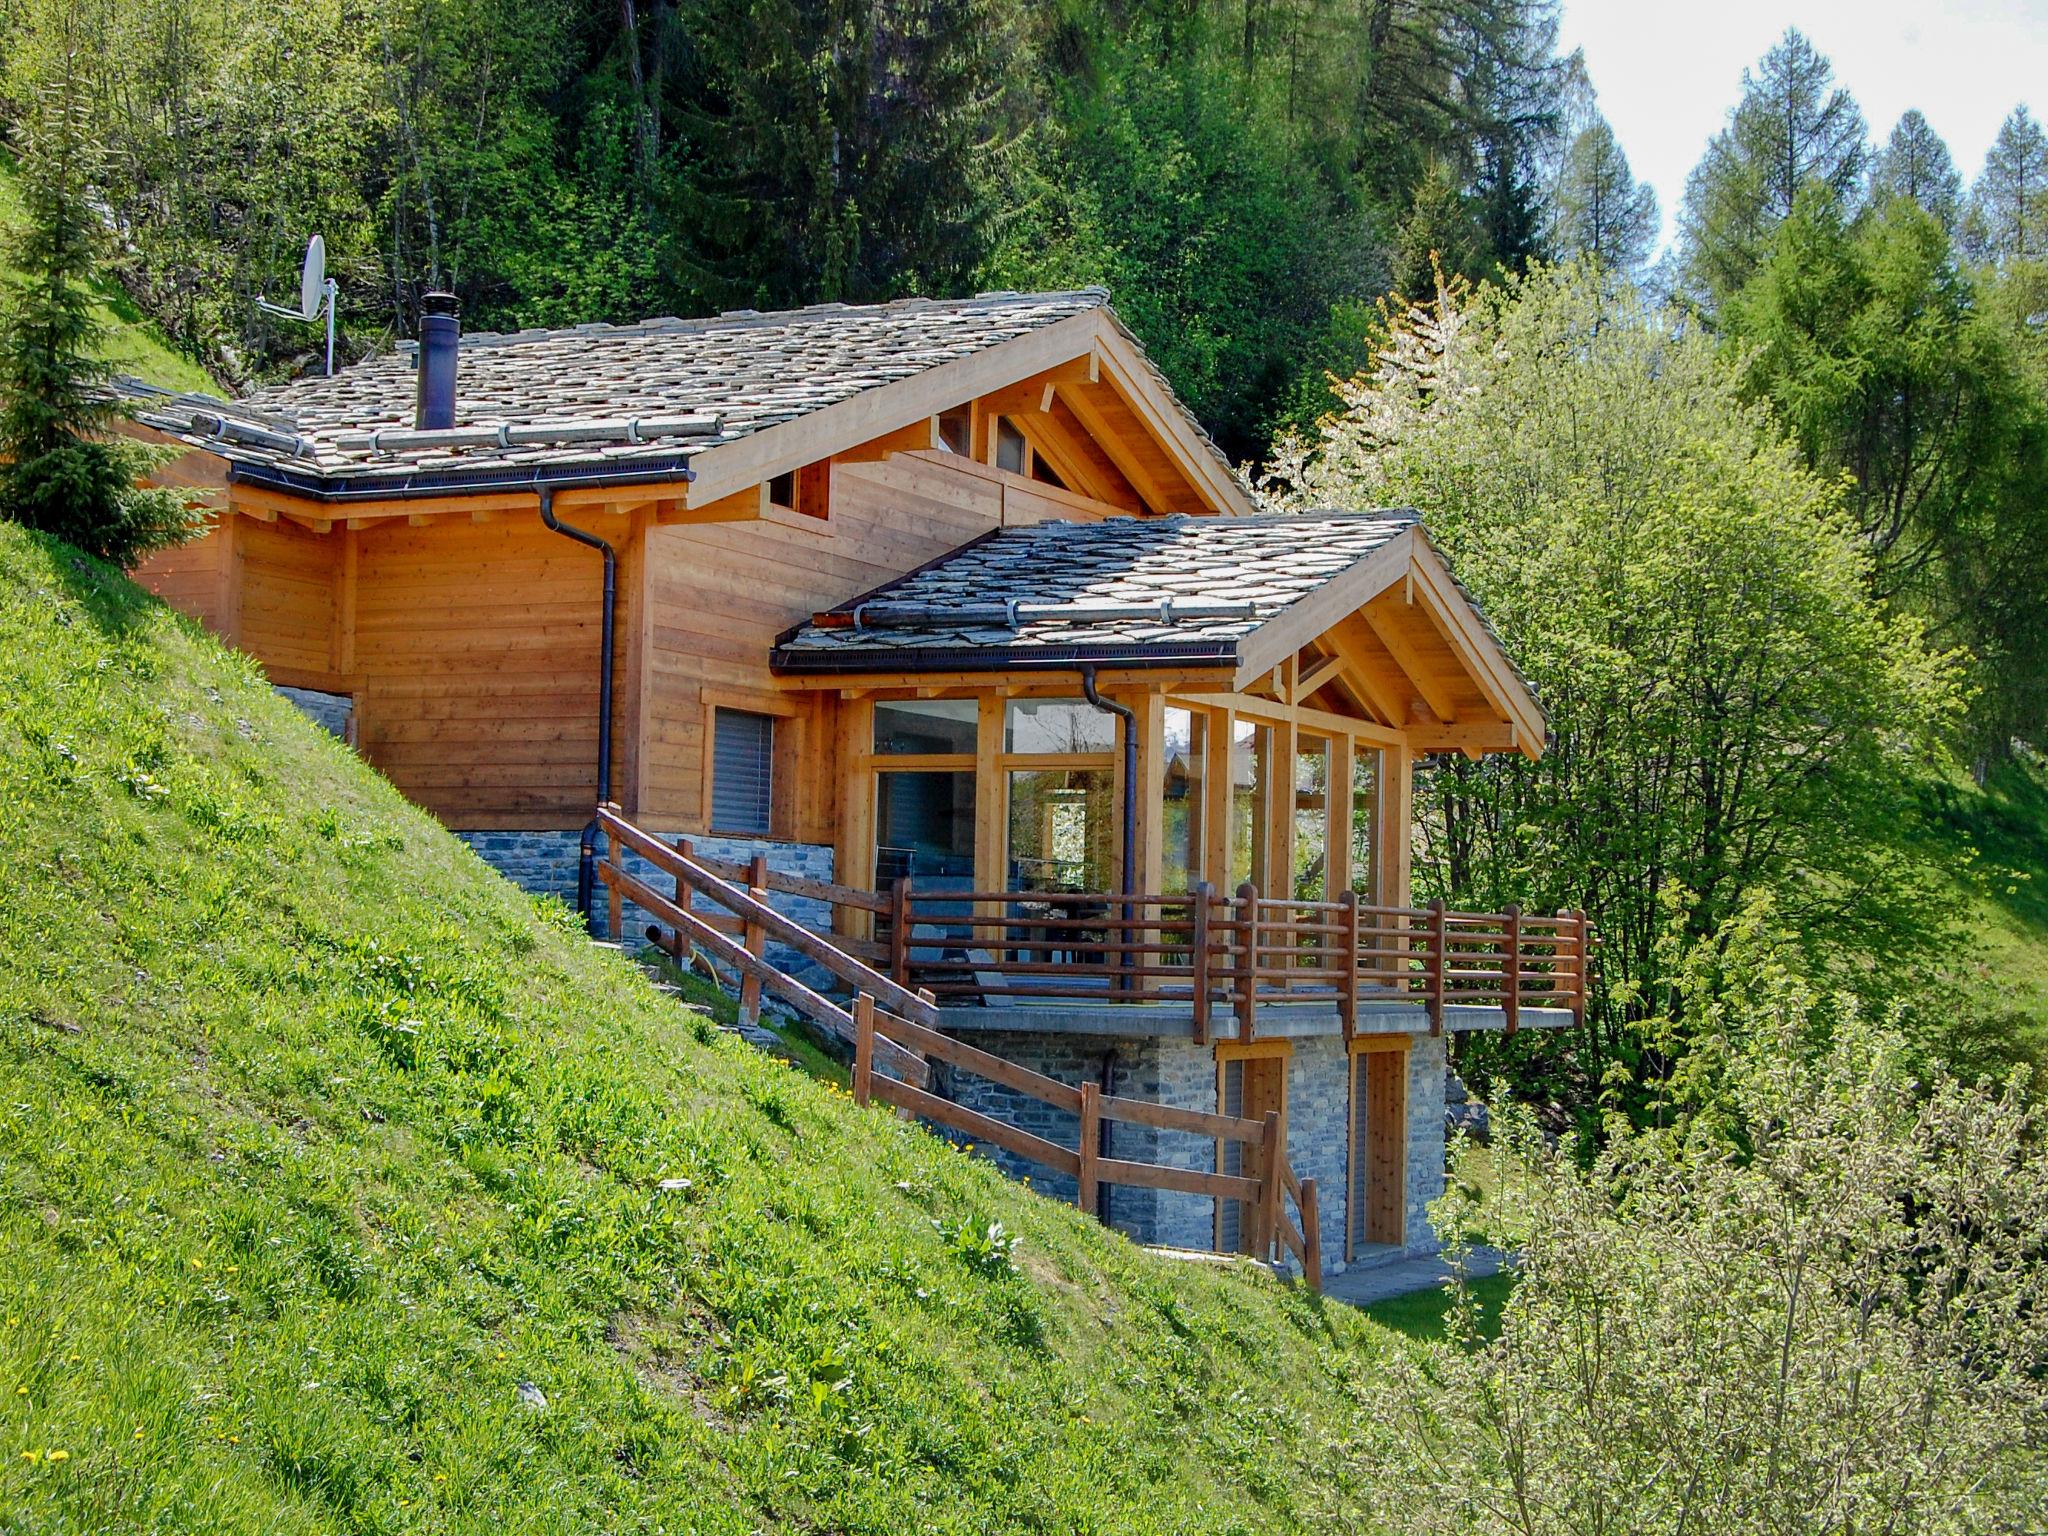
x=956 y=431
x=926 y=727
x=1010 y=446
x=1060 y=829
x=806 y=492
x=1365 y=824
x=1058 y=727
x=742 y=771
x=1311 y=817
x=1180 y=821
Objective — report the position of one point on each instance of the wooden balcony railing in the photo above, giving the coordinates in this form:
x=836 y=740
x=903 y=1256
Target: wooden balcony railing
x=1239 y=952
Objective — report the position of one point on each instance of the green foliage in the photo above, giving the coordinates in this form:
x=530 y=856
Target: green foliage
x=1876 y=350
x=1817 y=1309
x=62 y=468
x=1792 y=126
x=1915 y=164
x=1601 y=211
x=342 y=1187
x=2008 y=215
x=1731 y=712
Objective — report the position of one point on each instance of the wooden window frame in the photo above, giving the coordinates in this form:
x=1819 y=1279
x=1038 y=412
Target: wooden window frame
x=786 y=746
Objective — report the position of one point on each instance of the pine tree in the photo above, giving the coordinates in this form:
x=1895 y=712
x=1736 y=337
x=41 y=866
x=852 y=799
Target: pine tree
x=1792 y=126
x=1915 y=163
x=1599 y=208
x=2009 y=203
x=62 y=468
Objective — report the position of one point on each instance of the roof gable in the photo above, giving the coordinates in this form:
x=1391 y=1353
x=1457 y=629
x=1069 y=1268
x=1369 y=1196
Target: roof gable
x=1243 y=594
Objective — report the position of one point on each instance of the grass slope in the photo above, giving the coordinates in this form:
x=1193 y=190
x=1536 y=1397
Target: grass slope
x=325 y=1156
x=133 y=342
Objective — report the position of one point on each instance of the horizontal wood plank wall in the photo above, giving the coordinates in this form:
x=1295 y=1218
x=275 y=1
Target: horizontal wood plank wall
x=719 y=593
x=476 y=649
x=286 y=607
x=193 y=577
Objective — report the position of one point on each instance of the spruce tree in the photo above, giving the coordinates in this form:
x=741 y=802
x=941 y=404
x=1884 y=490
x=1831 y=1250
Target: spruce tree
x=1915 y=163
x=63 y=469
x=2009 y=202
x=1792 y=126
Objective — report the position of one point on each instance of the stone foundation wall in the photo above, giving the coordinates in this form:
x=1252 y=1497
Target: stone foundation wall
x=329 y=711
x=544 y=864
x=1179 y=1073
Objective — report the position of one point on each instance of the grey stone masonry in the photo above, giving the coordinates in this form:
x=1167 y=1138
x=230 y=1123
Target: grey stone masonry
x=1177 y=1072
x=329 y=711
x=544 y=863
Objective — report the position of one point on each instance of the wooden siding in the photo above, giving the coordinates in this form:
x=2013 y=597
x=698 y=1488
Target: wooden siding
x=719 y=593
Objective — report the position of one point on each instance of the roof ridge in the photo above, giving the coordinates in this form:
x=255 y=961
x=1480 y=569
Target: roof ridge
x=748 y=319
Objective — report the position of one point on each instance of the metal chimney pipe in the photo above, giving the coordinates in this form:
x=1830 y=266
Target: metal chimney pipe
x=440 y=333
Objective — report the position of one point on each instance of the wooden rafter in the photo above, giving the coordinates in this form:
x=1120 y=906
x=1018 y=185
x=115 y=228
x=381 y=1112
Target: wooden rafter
x=1381 y=616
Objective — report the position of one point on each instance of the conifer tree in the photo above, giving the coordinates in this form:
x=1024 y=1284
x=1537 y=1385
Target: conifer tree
x=1793 y=125
x=1915 y=163
x=1600 y=210
x=62 y=468
x=2009 y=202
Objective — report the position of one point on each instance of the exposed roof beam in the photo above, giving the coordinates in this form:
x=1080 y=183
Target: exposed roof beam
x=1325 y=607
x=1156 y=496
x=1381 y=617
x=1386 y=696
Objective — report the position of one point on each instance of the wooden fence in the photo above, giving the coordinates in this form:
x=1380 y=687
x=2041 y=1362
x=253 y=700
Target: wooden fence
x=892 y=1029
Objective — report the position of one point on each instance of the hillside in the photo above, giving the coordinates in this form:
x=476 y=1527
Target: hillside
x=343 y=1188
x=134 y=343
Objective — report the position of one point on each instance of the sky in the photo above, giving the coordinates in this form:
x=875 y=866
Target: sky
x=1667 y=74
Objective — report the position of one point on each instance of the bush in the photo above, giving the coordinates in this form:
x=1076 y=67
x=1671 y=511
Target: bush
x=1820 y=1309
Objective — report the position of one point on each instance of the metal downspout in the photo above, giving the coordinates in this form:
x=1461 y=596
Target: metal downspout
x=1127 y=885
x=587 y=861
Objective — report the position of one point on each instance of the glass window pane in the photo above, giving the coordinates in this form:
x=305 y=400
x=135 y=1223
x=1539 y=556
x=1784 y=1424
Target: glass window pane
x=1251 y=751
x=1311 y=817
x=1180 y=820
x=1365 y=823
x=926 y=727
x=1060 y=829
x=1058 y=726
x=924 y=828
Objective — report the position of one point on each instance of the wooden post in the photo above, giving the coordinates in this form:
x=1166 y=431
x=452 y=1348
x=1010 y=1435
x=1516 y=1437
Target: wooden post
x=899 y=931
x=1347 y=945
x=1513 y=999
x=1271 y=1151
x=617 y=908
x=1582 y=964
x=1248 y=971
x=1311 y=1235
x=1434 y=963
x=1198 y=917
x=756 y=941
x=863 y=1048
x=1091 y=1138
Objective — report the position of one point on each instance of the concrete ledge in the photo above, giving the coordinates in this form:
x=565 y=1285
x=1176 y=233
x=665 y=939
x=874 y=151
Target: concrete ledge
x=1169 y=1020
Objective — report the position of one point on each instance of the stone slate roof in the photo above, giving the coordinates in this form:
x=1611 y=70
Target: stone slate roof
x=690 y=384
x=1125 y=591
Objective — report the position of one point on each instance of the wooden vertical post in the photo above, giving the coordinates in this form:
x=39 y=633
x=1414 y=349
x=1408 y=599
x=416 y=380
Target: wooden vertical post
x=1271 y=1151
x=1311 y=1235
x=1248 y=969
x=1091 y=1138
x=1347 y=949
x=756 y=941
x=1582 y=964
x=1513 y=999
x=616 y=910
x=1200 y=958
x=899 y=931
x=863 y=1048
x=1435 y=963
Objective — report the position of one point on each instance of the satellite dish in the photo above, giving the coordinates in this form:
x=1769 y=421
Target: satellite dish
x=313 y=278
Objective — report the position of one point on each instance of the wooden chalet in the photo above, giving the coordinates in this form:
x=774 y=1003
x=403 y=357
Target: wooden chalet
x=956 y=657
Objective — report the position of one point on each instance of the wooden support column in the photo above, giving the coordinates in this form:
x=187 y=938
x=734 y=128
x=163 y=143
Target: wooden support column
x=1216 y=814
x=991 y=802
x=1150 y=711
x=854 y=854
x=1248 y=957
x=1347 y=962
x=1397 y=809
x=1512 y=982
x=1202 y=956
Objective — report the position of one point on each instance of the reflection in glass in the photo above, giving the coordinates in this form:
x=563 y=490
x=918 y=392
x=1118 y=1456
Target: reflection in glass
x=1060 y=829
x=1311 y=817
x=925 y=727
x=924 y=828
x=1057 y=726
x=1180 y=821
x=1251 y=752
x=1365 y=824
